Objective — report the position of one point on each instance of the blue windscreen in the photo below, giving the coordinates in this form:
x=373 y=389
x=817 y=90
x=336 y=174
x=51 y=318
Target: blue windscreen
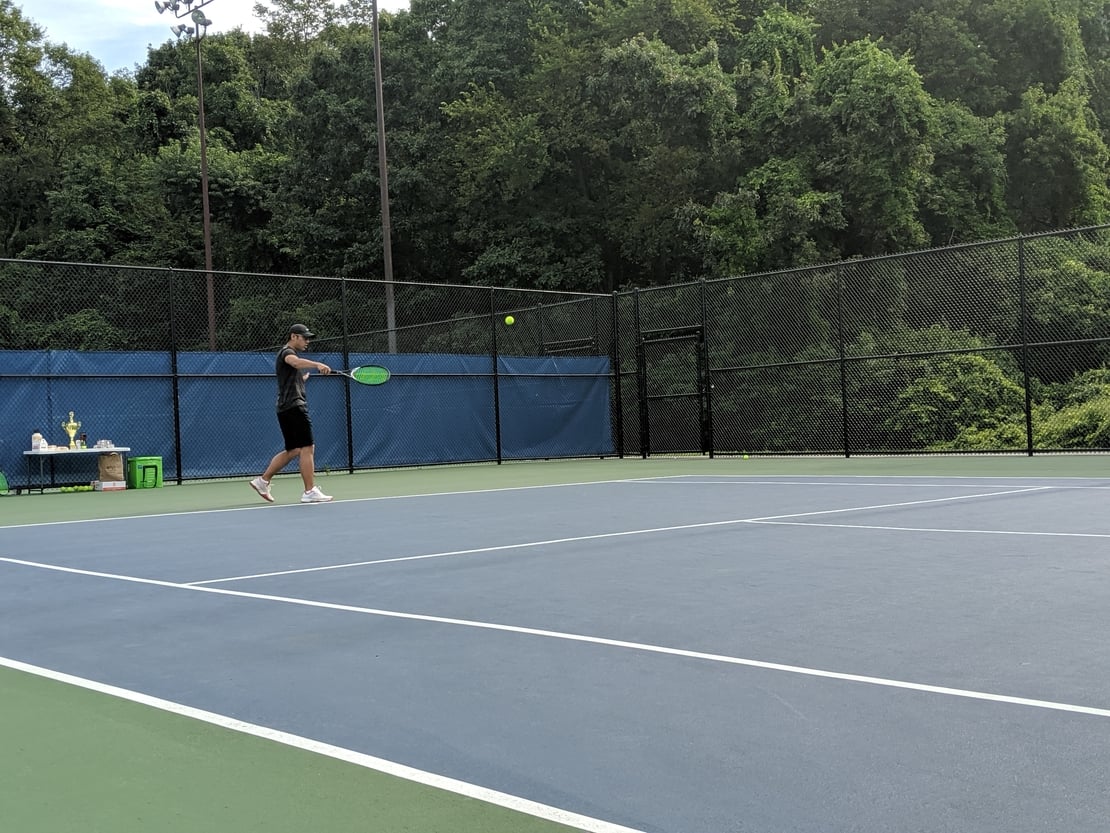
x=435 y=408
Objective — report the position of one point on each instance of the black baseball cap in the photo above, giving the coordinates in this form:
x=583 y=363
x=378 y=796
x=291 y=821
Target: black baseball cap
x=301 y=330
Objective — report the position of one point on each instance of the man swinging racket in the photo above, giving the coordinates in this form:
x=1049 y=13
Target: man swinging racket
x=292 y=413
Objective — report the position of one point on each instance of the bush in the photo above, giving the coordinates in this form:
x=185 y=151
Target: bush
x=1086 y=425
x=960 y=401
x=87 y=329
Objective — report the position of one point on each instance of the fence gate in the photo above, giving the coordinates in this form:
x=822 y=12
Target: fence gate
x=672 y=370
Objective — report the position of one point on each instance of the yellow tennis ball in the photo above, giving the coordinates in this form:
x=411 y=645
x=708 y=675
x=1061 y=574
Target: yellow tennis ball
x=510 y=320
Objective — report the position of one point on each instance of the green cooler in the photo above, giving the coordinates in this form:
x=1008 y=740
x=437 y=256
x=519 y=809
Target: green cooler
x=144 y=472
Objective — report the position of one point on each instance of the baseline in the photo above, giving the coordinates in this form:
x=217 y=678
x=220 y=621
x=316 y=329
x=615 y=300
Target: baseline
x=750 y=480
x=301 y=506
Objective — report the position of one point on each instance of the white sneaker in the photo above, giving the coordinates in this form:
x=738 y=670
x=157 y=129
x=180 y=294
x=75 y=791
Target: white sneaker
x=263 y=489
x=314 y=495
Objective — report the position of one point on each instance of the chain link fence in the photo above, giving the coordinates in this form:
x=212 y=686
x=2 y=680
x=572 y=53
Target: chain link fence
x=994 y=347
x=133 y=353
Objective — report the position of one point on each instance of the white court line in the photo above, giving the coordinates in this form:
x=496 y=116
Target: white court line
x=662 y=478
x=741 y=480
x=932 y=529
x=1009 y=477
x=599 y=536
x=592 y=640
x=302 y=507
x=429 y=779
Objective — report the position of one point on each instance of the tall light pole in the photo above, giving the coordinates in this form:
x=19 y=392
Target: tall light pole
x=383 y=178
x=192 y=9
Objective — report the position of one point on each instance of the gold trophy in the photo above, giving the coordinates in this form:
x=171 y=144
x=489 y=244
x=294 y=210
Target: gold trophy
x=71 y=428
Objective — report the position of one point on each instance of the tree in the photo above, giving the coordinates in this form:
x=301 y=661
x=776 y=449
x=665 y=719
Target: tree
x=296 y=22
x=951 y=57
x=1032 y=42
x=667 y=119
x=965 y=194
x=776 y=219
x=324 y=216
x=483 y=42
x=868 y=127
x=959 y=401
x=1057 y=161
x=27 y=164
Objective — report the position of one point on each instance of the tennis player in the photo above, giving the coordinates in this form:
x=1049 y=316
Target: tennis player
x=292 y=413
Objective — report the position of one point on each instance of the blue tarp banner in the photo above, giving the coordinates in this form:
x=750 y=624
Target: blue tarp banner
x=435 y=409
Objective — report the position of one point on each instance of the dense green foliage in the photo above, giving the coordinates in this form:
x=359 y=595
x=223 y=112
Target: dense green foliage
x=588 y=145
x=596 y=145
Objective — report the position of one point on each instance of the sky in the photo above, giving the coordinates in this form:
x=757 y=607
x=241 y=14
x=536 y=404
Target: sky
x=117 y=32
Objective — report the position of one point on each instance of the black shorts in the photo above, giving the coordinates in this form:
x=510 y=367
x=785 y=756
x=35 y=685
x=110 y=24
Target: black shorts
x=296 y=428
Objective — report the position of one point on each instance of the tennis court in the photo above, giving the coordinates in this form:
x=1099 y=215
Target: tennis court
x=685 y=645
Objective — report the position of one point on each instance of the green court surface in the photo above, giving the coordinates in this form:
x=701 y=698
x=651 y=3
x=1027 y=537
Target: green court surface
x=75 y=760
x=78 y=761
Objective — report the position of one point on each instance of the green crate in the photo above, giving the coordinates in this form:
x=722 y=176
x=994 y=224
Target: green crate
x=144 y=472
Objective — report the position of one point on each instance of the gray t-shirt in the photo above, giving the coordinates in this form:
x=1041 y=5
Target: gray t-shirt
x=290 y=383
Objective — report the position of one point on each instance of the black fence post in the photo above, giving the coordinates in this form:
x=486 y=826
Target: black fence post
x=597 y=322
x=707 y=379
x=347 y=388
x=842 y=362
x=641 y=377
x=1023 y=299
x=615 y=353
x=172 y=278
x=496 y=384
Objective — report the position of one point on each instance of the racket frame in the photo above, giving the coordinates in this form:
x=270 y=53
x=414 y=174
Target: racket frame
x=380 y=375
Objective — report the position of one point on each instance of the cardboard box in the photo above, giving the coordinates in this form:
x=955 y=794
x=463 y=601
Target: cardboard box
x=109 y=485
x=111 y=467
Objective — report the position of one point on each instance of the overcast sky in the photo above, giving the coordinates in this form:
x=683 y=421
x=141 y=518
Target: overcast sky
x=118 y=32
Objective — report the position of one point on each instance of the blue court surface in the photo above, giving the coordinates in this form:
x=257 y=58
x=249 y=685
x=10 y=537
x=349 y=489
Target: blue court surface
x=698 y=653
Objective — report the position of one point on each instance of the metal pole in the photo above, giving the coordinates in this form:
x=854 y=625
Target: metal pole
x=641 y=377
x=192 y=10
x=1024 y=311
x=705 y=378
x=207 y=219
x=615 y=352
x=347 y=388
x=842 y=361
x=174 y=375
x=383 y=177
x=496 y=375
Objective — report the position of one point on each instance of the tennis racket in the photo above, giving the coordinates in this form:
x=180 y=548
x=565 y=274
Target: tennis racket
x=370 y=374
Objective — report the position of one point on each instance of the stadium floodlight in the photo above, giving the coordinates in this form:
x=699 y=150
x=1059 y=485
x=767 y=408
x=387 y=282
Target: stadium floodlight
x=175 y=6
x=181 y=29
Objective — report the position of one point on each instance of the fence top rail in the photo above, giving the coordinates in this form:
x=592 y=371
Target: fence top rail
x=832 y=266
x=826 y=266
x=330 y=278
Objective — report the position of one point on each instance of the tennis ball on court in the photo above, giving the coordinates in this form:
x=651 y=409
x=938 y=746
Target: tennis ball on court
x=510 y=320
x=745 y=456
